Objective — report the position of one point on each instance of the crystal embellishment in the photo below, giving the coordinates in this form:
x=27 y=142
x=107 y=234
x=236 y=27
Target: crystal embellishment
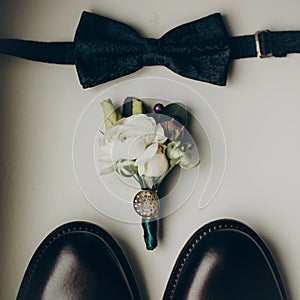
x=146 y=204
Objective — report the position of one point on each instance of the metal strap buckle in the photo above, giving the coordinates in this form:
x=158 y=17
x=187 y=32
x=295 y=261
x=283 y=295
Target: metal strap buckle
x=260 y=54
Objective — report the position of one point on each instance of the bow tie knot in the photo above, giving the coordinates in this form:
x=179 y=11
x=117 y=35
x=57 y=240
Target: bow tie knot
x=151 y=55
x=151 y=44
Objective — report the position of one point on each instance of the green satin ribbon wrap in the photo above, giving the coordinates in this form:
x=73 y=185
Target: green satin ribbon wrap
x=150 y=227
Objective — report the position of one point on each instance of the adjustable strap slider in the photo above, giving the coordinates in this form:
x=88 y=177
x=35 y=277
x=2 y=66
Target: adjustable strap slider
x=263 y=44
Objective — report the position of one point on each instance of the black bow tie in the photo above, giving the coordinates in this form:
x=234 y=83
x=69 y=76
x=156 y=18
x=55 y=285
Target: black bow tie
x=104 y=49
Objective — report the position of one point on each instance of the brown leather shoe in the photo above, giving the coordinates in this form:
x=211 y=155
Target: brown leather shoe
x=225 y=260
x=76 y=261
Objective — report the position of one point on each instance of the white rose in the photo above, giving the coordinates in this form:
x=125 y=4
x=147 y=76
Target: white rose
x=153 y=162
x=128 y=139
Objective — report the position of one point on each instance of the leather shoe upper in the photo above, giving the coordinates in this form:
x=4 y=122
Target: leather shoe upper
x=78 y=261
x=225 y=260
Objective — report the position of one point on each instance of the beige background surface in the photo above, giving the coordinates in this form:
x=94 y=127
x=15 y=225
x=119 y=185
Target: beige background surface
x=40 y=105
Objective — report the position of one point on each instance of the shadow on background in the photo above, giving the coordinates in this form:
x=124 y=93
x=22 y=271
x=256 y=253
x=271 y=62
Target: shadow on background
x=8 y=150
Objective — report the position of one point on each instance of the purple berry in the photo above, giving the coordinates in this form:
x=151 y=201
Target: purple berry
x=158 y=107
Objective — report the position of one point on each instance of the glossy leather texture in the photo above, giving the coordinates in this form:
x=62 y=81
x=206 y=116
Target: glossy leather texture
x=78 y=261
x=225 y=260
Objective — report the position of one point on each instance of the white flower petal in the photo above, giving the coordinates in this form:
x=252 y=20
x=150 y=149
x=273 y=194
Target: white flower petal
x=139 y=146
x=157 y=166
x=105 y=167
x=141 y=169
x=148 y=153
x=186 y=162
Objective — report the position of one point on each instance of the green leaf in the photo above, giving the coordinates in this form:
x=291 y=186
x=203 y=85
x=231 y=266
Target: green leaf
x=132 y=106
x=111 y=116
x=126 y=168
x=175 y=161
x=137 y=107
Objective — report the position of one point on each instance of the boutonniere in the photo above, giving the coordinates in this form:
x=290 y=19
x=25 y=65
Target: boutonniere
x=146 y=144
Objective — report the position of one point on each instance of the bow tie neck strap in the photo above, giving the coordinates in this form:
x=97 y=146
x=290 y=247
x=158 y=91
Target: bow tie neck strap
x=104 y=49
x=51 y=52
x=265 y=43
